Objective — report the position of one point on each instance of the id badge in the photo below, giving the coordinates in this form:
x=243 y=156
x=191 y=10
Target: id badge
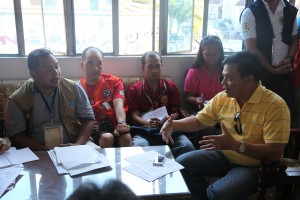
x=53 y=136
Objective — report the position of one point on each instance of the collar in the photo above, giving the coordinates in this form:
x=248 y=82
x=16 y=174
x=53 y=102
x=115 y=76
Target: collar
x=280 y=5
x=147 y=87
x=256 y=96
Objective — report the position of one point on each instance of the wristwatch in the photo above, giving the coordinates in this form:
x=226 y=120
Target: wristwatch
x=242 y=147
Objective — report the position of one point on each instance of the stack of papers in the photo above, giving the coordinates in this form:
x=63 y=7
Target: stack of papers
x=142 y=166
x=11 y=166
x=77 y=159
x=8 y=176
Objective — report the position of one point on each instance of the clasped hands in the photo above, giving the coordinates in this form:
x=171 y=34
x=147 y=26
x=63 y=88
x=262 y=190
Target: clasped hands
x=121 y=129
x=284 y=67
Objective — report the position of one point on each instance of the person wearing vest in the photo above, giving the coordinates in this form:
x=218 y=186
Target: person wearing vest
x=106 y=95
x=48 y=110
x=269 y=29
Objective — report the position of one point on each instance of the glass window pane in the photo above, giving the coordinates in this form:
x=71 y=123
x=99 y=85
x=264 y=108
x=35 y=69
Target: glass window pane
x=180 y=25
x=44 y=25
x=223 y=21
x=93 y=25
x=136 y=26
x=197 y=25
x=8 y=37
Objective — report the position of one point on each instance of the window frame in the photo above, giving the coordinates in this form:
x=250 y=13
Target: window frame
x=70 y=28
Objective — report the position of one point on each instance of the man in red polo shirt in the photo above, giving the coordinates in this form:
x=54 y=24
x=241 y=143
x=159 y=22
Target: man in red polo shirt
x=149 y=94
x=106 y=95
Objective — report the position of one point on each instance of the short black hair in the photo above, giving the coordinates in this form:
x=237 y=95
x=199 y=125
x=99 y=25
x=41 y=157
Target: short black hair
x=83 y=55
x=112 y=190
x=151 y=54
x=247 y=64
x=35 y=55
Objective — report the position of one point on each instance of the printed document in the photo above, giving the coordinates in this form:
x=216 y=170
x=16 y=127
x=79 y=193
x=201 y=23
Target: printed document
x=160 y=113
x=142 y=166
x=14 y=157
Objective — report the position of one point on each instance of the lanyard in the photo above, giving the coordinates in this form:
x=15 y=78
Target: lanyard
x=163 y=92
x=46 y=103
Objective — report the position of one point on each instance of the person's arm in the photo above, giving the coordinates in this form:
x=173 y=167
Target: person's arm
x=193 y=99
x=20 y=140
x=85 y=131
x=138 y=120
x=85 y=115
x=280 y=69
x=122 y=127
x=119 y=109
x=225 y=141
x=16 y=127
x=188 y=124
x=251 y=46
x=293 y=48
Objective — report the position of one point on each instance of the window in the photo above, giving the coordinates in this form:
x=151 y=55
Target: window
x=180 y=26
x=118 y=27
x=43 y=23
x=223 y=21
x=93 y=25
x=8 y=36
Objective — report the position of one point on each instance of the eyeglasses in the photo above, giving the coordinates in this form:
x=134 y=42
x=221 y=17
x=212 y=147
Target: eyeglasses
x=238 y=124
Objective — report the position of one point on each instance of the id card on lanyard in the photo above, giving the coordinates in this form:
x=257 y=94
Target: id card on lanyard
x=53 y=136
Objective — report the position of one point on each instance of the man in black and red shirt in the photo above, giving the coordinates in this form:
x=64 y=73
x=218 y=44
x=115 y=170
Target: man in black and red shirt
x=149 y=94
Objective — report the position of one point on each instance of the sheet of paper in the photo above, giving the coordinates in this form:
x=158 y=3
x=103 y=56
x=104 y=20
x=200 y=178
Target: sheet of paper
x=82 y=155
x=103 y=163
x=292 y=169
x=140 y=173
x=144 y=162
x=8 y=175
x=82 y=168
x=60 y=169
x=160 y=113
x=13 y=157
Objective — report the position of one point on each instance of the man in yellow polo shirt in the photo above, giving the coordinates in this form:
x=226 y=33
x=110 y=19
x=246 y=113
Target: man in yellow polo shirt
x=255 y=125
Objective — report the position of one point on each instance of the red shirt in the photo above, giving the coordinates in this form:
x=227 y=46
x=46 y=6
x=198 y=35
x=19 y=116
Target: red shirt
x=107 y=89
x=142 y=98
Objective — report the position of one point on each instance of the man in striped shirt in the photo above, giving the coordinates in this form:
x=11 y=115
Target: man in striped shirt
x=255 y=125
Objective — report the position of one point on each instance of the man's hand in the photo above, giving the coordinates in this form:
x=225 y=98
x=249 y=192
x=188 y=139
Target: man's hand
x=167 y=130
x=154 y=122
x=284 y=67
x=121 y=129
x=221 y=142
x=4 y=145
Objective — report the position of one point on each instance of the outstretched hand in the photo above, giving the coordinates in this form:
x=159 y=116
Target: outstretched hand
x=219 y=142
x=167 y=130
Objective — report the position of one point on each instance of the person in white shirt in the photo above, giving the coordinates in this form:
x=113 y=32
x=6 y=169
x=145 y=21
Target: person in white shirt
x=269 y=29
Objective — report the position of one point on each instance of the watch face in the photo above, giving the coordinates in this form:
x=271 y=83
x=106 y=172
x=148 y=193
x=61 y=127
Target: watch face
x=242 y=147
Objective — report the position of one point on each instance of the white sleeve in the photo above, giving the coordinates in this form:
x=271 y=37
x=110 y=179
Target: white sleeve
x=248 y=24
